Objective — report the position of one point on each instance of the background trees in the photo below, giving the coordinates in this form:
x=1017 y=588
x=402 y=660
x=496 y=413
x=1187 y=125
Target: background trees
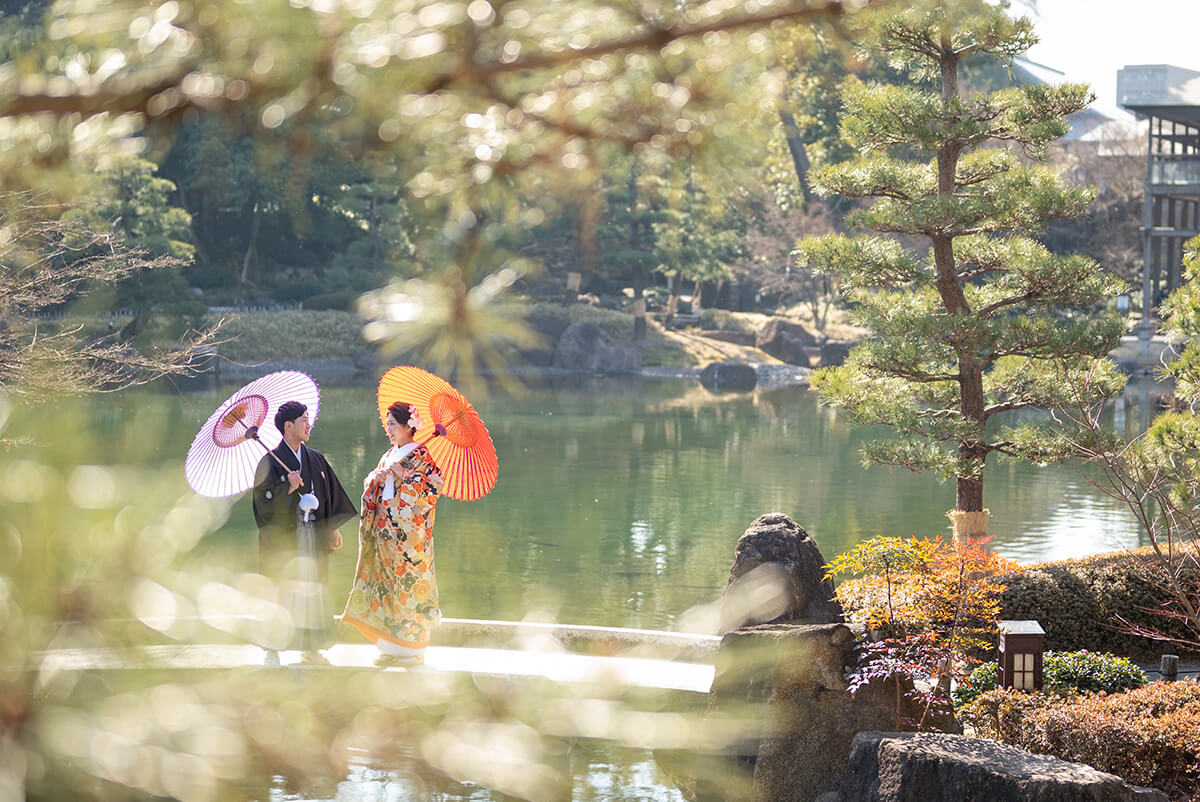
x=46 y=262
x=971 y=330
x=494 y=116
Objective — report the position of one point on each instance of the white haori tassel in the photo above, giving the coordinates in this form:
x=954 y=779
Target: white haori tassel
x=308 y=503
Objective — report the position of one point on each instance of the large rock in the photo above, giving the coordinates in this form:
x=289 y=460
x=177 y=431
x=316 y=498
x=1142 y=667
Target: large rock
x=548 y=329
x=933 y=767
x=834 y=352
x=787 y=341
x=780 y=695
x=729 y=376
x=791 y=680
x=778 y=576
x=586 y=346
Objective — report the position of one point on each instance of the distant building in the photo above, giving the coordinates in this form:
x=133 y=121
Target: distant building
x=1168 y=98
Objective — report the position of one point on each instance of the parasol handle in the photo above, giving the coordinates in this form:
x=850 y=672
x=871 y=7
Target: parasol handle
x=252 y=434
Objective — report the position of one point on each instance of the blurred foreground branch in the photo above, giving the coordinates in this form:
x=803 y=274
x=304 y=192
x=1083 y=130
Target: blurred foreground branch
x=47 y=263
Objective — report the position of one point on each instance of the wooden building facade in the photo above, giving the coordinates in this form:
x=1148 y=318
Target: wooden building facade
x=1168 y=98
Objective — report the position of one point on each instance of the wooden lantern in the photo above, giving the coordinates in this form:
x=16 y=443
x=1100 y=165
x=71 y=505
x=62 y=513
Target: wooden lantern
x=1020 y=655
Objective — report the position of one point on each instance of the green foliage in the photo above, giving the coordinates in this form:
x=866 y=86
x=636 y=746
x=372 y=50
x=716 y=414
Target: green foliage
x=127 y=195
x=1063 y=673
x=1092 y=603
x=989 y=321
x=698 y=237
x=49 y=263
x=1146 y=736
x=1181 y=321
x=1156 y=474
x=402 y=145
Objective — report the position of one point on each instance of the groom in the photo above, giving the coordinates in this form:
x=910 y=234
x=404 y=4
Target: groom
x=278 y=495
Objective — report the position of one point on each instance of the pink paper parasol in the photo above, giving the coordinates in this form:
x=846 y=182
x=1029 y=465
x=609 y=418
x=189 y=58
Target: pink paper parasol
x=226 y=451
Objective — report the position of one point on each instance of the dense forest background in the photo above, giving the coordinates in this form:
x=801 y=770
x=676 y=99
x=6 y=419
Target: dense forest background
x=305 y=214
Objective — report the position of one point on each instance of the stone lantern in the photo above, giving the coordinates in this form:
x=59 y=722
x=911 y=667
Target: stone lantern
x=1020 y=655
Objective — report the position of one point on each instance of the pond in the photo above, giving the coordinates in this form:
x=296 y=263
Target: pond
x=620 y=501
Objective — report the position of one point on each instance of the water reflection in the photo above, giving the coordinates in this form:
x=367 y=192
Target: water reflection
x=619 y=501
x=593 y=772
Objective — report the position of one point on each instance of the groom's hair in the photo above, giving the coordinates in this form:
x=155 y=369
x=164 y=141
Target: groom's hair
x=288 y=411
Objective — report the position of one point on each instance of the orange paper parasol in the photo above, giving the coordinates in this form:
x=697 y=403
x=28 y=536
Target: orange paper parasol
x=452 y=430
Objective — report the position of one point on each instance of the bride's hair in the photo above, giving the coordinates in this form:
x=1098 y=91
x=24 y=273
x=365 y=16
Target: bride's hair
x=401 y=412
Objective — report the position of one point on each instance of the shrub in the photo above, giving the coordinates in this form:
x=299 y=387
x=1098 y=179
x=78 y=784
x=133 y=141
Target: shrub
x=293 y=335
x=339 y=299
x=934 y=602
x=1065 y=673
x=1079 y=603
x=1148 y=736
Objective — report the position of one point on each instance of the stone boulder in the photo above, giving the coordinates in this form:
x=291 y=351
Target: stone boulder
x=787 y=341
x=782 y=685
x=729 y=376
x=549 y=329
x=834 y=352
x=791 y=679
x=586 y=346
x=934 y=767
x=778 y=576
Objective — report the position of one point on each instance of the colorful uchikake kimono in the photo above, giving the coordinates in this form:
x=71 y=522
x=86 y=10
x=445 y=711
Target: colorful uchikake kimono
x=394 y=601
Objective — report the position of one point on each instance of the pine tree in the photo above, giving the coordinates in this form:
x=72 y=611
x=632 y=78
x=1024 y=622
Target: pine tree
x=990 y=321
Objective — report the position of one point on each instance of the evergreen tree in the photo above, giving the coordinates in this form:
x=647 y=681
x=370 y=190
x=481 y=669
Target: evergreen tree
x=625 y=236
x=988 y=322
x=129 y=197
x=700 y=235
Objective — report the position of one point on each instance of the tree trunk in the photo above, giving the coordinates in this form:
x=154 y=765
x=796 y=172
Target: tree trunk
x=252 y=247
x=675 y=283
x=969 y=484
x=791 y=132
x=636 y=246
x=639 y=305
x=968 y=525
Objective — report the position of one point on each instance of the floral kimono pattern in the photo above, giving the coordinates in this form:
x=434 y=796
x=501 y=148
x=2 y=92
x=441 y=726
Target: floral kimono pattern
x=395 y=593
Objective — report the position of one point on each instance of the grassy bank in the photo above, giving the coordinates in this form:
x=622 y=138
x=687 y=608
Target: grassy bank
x=307 y=334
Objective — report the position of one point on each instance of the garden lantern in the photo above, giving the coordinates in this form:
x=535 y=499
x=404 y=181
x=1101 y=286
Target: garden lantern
x=1021 y=655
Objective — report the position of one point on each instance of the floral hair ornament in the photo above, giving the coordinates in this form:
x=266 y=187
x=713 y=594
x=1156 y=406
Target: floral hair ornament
x=414 y=418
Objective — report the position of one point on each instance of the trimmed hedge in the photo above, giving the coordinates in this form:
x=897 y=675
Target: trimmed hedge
x=1149 y=736
x=1077 y=602
x=1065 y=673
x=300 y=334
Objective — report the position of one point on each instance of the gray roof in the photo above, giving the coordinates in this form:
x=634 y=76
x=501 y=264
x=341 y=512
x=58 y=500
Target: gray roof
x=1161 y=90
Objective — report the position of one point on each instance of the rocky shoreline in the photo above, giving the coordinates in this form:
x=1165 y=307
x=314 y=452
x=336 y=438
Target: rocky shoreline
x=364 y=367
